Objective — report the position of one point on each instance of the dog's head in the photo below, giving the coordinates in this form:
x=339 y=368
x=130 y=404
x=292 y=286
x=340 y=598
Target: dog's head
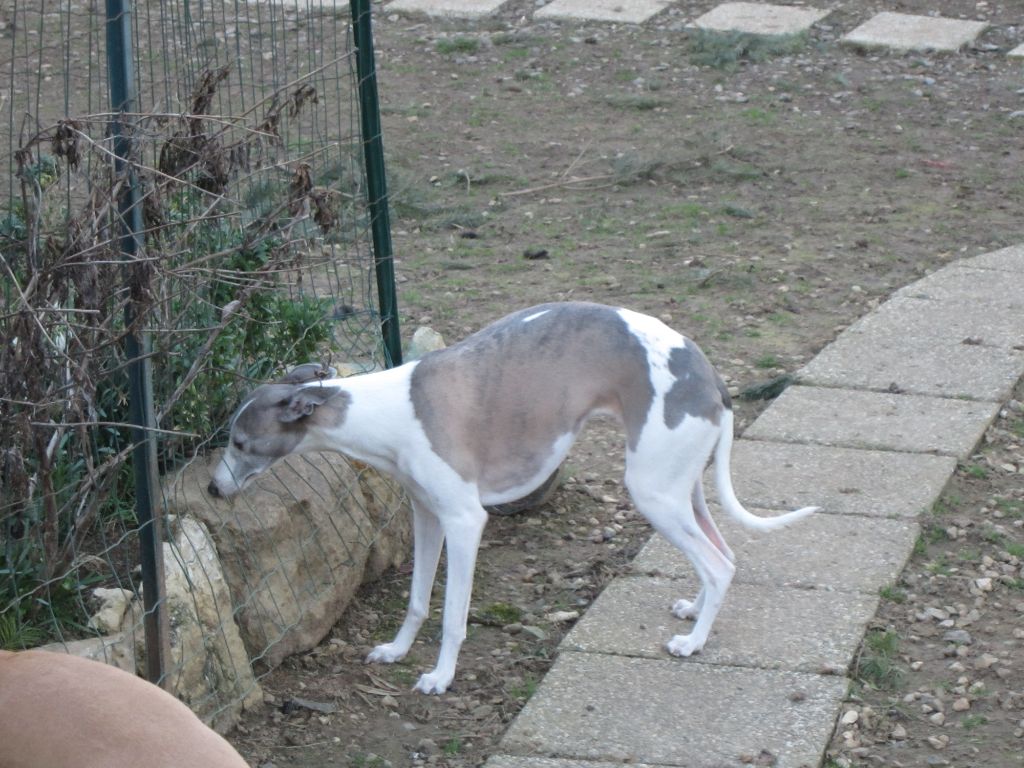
x=273 y=422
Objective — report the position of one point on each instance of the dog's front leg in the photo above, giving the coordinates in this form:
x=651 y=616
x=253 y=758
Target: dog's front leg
x=462 y=531
x=427 y=540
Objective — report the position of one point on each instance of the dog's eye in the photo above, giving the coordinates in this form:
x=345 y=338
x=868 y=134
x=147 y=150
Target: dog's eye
x=238 y=444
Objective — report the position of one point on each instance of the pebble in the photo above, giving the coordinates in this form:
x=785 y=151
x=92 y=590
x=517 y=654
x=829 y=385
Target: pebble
x=961 y=705
x=850 y=717
x=985 y=661
x=959 y=636
x=899 y=732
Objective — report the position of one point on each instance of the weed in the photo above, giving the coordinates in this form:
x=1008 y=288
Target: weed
x=453 y=746
x=1015 y=549
x=893 y=594
x=768 y=361
x=976 y=471
x=459 y=44
x=875 y=665
x=501 y=614
x=737 y=212
x=973 y=721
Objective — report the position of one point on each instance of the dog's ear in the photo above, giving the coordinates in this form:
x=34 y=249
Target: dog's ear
x=302 y=374
x=304 y=401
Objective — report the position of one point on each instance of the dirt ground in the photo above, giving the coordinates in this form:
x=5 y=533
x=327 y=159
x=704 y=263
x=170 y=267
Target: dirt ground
x=759 y=201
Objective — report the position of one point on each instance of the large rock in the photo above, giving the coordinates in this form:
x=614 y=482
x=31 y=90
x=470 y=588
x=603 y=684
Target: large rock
x=297 y=544
x=209 y=667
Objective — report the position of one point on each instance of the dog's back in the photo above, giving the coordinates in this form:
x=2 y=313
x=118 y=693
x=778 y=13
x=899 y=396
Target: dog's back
x=60 y=711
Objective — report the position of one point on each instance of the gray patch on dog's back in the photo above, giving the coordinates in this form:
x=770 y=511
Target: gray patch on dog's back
x=494 y=404
x=698 y=389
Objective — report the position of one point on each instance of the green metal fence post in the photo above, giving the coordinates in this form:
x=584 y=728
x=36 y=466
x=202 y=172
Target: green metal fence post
x=141 y=414
x=376 y=182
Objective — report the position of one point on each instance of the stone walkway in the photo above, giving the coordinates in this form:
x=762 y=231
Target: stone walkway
x=895 y=31
x=872 y=433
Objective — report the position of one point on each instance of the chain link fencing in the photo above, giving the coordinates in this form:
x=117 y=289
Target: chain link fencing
x=246 y=161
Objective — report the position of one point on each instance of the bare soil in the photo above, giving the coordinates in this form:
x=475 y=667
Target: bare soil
x=759 y=203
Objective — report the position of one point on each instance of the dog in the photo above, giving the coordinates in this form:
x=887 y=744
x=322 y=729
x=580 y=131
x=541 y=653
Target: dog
x=62 y=711
x=489 y=419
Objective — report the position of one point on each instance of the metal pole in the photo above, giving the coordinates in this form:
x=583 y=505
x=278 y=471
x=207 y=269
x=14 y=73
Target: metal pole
x=137 y=347
x=376 y=182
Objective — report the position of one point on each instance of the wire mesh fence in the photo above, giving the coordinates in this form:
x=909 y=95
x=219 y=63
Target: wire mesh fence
x=256 y=254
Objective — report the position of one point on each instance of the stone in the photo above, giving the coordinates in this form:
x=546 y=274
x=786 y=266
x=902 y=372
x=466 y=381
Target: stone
x=297 y=544
x=113 y=606
x=876 y=420
x=117 y=650
x=455 y=9
x=424 y=340
x=1017 y=53
x=759 y=18
x=905 y=32
x=959 y=636
x=624 y=11
x=961 y=705
x=209 y=667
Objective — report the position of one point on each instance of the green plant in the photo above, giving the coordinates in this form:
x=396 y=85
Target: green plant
x=453 y=746
x=457 y=44
x=875 y=665
x=893 y=594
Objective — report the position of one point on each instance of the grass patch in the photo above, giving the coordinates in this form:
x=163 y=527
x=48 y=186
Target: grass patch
x=875 y=665
x=893 y=594
x=459 y=44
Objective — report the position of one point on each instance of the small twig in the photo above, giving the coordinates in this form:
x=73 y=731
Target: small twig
x=562 y=183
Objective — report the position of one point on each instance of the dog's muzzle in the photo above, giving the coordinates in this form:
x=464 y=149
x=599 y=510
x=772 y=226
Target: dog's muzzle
x=213 y=490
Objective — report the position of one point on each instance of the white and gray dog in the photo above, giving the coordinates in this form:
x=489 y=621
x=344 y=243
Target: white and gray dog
x=487 y=420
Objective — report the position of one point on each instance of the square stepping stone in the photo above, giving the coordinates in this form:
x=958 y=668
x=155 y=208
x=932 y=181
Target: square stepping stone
x=760 y=626
x=1007 y=259
x=671 y=712
x=860 y=419
x=923 y=360
x=626 y=11
x=836 y=553
x=956 y=284
x=905 y=32
x=839 y=480
x=454 y=9
x=760 y=18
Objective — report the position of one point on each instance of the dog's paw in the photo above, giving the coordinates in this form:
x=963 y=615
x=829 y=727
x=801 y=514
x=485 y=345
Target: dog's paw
x=387 y=653
x=684 y=645
x=433 y=683
x=685 y=609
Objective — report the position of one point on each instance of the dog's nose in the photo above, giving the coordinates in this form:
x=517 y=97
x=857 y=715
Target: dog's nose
x=213 y=490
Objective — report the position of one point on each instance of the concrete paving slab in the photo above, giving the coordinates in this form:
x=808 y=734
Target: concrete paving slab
x=625 y=11
x=680 y=713
x=1010 y=259
x=842 y=553
x=904 y=32
x=859 y=419
x=929 y=363
x=760 y=18
x=454 y=9
x=839 y=480
x=988 y=288
x=950 y=320
x=759 y=626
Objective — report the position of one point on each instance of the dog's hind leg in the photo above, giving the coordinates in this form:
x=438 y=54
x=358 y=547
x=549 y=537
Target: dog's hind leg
x=427 y=540
x=463 y=528
x=674 y=508
x=687 y=609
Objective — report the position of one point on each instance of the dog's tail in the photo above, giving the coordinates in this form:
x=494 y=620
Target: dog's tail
x=727 y=496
